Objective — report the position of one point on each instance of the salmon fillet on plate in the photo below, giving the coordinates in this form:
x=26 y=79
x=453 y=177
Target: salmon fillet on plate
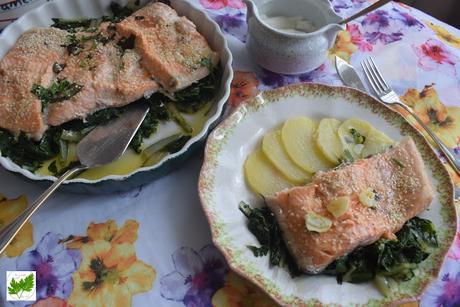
x=381 y=193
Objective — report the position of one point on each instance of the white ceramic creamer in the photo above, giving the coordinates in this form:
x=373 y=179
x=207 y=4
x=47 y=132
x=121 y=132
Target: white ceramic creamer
x=291 y=52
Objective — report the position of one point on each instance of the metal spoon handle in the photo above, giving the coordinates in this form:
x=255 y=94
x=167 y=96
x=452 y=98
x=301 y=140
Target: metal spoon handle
x=368 y=9
x=9 y=232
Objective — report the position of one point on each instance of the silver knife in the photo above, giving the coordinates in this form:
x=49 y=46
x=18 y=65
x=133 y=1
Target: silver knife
x=348 y=74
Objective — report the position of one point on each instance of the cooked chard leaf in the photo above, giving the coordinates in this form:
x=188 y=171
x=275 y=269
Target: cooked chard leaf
x=259 y=251
x=395 y=259
x=206 y=62
x=197 y=95
x=81 y=24
x=29 y=153
x=118 y=12
x=358 y=138
x=263 y=225
x=59 y=90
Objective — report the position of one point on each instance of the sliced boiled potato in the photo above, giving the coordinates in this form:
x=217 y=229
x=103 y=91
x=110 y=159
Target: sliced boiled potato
x=376 y=142
x=298 y=136
x=273 y=148
x=353 y=133
x=262 y=176
x=328 y=141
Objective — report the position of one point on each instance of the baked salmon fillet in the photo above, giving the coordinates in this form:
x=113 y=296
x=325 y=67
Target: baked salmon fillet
x=400 y=190
x=110 y=78
x=29 y=62
x=172 y=50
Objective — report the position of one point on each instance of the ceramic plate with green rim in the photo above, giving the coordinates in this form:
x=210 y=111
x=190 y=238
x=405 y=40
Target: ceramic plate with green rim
x=222 y=186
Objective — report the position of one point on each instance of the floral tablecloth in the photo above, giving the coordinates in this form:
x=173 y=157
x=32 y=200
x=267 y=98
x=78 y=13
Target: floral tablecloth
x=152 y=246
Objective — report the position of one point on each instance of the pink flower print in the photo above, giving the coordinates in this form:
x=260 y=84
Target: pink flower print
x=220 y=4
x=433 y=55
x=357 y=38
x=454 y=251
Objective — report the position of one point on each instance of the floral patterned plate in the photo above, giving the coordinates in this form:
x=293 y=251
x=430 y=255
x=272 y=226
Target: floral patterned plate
x=222 y=187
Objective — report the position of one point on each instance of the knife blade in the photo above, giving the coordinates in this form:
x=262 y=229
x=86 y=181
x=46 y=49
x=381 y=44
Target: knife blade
x=348 y=74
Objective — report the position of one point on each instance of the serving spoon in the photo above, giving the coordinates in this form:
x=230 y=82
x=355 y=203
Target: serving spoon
x=102 y=145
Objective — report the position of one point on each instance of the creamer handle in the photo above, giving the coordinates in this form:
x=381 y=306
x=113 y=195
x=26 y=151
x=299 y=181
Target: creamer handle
x=250 y=7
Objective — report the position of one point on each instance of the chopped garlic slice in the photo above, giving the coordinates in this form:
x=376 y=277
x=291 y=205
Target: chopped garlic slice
x=368 y=197
x=338 y=206
x=317 y=223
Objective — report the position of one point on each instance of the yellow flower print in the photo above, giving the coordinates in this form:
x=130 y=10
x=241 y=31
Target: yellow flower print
x=444 y=121
x=240 y=293
x=109 y=275
x=455 y=177
x=107 y=231
x=344 y=46
x=9 y=210
x=444 y=35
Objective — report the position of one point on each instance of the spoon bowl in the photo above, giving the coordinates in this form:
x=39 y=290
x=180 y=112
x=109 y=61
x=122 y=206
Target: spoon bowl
x=102 y=145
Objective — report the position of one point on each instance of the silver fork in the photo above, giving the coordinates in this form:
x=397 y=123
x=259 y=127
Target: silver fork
x=390 y=98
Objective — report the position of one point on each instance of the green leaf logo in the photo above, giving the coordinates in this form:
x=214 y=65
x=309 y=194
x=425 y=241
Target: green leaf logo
x=18 y=288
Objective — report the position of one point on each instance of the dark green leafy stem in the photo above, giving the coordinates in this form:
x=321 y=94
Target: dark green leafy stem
x=59 y=90
x=263 y=225
x=392 y=259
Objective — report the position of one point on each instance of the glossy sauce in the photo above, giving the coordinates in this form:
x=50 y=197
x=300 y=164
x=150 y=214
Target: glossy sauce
x=294 y=24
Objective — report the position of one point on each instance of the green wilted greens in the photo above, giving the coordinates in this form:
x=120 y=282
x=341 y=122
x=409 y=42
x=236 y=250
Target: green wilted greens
x=263 y=225
x=394 y=259
x=59 y=90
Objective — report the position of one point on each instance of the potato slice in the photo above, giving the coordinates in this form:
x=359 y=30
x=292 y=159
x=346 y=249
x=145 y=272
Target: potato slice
x=262 y=176
x=353 y=134
x=376 y=142
x=273 y=149
x=328 y=141
x=298 y=139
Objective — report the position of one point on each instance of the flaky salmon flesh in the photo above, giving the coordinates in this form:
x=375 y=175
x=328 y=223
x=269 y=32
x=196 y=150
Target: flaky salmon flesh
x=397 y=176
x=169 y=54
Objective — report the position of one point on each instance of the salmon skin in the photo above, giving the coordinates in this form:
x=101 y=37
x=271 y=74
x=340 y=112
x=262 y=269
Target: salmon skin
x=168 y=52
x=397 y=176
